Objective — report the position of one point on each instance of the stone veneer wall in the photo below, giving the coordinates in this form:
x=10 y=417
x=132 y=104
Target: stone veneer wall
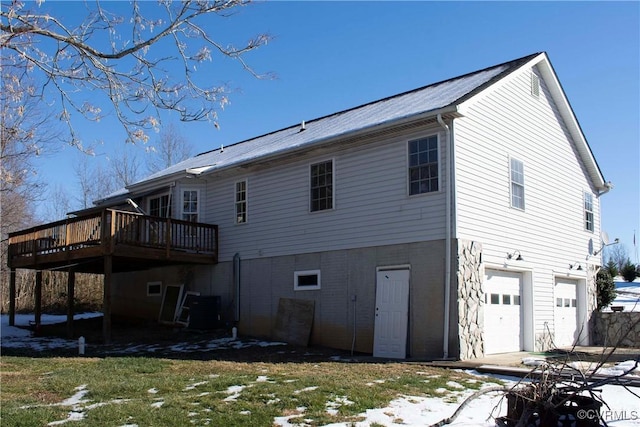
x=470 y=299
x=616 y=329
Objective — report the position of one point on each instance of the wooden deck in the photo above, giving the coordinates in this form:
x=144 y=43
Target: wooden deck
x=133 y=241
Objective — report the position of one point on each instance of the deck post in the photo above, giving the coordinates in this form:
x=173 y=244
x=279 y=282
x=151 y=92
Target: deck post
x=71 y=288
x=106 y=299
x=12 y=297
x=38 y=301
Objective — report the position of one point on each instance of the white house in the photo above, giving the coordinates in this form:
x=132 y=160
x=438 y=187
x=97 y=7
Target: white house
x=451 y=221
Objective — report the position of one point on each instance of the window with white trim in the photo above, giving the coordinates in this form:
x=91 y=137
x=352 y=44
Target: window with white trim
x=306 y=280
x=154 y=289
x=517 y=183
x=190 y=205
x=588 y=211
x=160 y=206
x=423 y=165
x=241 y=202
x=321 y=186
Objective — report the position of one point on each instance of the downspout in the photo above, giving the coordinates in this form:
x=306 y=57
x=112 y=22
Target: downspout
x=447 y=240
x=236 y=282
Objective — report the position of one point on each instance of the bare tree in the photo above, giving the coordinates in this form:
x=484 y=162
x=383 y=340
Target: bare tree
x=618 y=254
x=128 y=58
x=94 y=182
x=125 y=166
x=58 y=203
x=170 y=149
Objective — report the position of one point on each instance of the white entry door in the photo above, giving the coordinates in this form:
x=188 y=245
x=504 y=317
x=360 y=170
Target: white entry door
x=392 y=314
x=502 y=312
x=566 y=313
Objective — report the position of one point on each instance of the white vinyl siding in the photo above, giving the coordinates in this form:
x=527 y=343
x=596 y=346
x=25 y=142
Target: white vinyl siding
x=374 y=206
x=550 y=233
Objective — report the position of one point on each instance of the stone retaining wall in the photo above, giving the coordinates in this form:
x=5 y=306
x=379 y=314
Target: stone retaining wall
x=470 y=299
x=616 y=329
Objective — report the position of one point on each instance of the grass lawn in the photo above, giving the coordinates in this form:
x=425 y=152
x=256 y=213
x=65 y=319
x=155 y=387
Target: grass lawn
x=145 y=391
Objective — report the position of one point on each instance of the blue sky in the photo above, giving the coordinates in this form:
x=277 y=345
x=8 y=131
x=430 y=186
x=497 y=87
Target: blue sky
x=330 y=56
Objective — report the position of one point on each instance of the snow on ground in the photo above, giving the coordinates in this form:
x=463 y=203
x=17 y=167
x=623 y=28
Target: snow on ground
x=19 y=337
x=628 y=295
x=623 y=410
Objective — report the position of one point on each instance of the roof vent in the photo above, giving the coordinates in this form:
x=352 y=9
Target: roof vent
x=222 y=148
x=303 y=127
x=535 y=85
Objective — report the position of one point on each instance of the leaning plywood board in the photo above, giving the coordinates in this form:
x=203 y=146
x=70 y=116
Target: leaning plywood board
x=170 y=300
x=294 y=321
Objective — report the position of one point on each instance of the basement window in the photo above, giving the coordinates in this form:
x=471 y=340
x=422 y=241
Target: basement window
x=154 y=289
x=306 y=280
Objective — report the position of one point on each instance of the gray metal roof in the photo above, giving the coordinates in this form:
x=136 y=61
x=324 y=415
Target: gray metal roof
x=423 y=100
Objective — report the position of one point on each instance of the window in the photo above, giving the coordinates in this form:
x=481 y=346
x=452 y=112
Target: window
x=588 y=211
x=160 y=206
x=322 y=186
x=241 y=202
x=517 y=183
x=306 y=280
x=495 y=299
x=154 y=289
x=423 y=165
x=190 y=205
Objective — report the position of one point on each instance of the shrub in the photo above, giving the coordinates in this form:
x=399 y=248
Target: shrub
x=605 y=288
x=628 y=271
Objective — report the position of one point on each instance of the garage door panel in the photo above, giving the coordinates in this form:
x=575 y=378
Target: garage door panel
x=566 y=313
x=502 y=312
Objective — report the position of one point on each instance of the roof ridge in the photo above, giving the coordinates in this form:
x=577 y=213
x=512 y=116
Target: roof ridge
x=512 y=62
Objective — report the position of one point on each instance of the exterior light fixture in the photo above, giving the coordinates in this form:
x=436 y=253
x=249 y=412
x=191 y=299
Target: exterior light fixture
x=512 y=255
x=576 y=265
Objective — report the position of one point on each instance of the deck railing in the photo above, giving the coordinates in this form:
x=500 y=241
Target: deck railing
x=110 y=228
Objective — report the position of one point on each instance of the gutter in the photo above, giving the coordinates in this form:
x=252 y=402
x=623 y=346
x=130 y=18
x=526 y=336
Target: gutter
x=448 y=228
x=608 y=186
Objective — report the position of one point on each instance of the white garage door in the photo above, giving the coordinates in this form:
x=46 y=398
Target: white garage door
x=566 y=313
x=502 y=312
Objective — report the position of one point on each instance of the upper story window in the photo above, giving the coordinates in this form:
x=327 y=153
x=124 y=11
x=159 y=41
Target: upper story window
x=321 y=194
x=517 y=183
x=588 y=212
x=160 y=206
x=423 y=165
x=241 y=202
x=190 y=205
